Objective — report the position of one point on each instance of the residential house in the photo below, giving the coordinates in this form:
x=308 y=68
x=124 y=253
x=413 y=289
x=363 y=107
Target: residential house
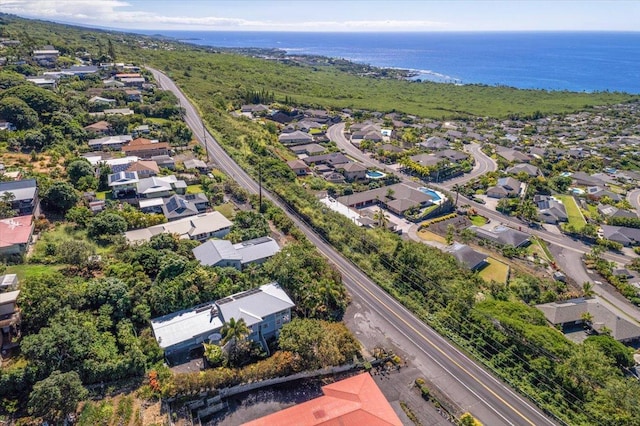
x=353 y=171
x=252 y=110
x=7 y=125
x=621 y=234
x=47 y=56
x=80 y=70
x=502 y=235
x=196 y=164
x=15 y=235
x=264 y=310
x=10 y=320
x=435 y=143
x=595 y=193
x=114 y=111
x=181 y=206
x=200 y=228
x=472 y=259
x=109 y=142
x=452 y=155
x=333 y=159
x=611 y=211
x=124 y=184
x=569 y=313
x=116 y=165
x=353 y=401
x=583 y=179
x=224 y=254
x=99 y=100
x=396 y=198
x=25 y=195
x=133 y=81
x=133 y=95
x=551 y=210
x=308 y=149
x=299 y=167
x=528 y=169
x=426 y=160
x=160 y=186
x=100 y=127
x=112 y=84
x=164 y=161
x=144 y=168
x=142 y=129
x=513 y=156
x=295 y=138
x=145 y=148
x=506 y=187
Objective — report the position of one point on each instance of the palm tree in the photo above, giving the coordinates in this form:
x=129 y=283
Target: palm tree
x=587 y=289
x=456 y=188
x=382 y=220
x=234 y=330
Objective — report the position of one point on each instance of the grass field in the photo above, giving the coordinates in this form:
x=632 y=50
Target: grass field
x=227 y=210
x=495 y=271
x=478 y=220
x=431 y=236
x=194 y=189
x=573 y=211
x=27 y=271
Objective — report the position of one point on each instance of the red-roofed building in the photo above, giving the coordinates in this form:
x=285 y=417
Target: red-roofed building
x=353 y=401
x=145 y=148
x=15 y=234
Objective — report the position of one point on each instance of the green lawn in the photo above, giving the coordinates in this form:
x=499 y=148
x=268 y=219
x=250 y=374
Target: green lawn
x=227 y=210
x=194 y=189
x=27 y=271
x=478 y=220
x=573 y=211
x=495 y=271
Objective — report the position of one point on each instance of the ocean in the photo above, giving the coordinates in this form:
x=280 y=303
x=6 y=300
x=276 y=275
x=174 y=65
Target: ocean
x=574 y=61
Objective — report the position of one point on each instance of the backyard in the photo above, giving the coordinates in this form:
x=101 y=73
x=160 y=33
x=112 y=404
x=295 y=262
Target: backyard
x=576 y=219
x=495 y=271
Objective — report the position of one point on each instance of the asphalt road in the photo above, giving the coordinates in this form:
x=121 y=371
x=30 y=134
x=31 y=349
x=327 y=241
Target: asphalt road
x=634 y=199
x=467 y=383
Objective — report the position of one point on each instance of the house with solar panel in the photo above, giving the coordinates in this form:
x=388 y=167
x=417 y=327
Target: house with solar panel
x=264 y=309
x=124 y=184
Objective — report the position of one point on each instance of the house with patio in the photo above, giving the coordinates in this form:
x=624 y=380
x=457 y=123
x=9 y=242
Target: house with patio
x=124 y=184
x=264 y=310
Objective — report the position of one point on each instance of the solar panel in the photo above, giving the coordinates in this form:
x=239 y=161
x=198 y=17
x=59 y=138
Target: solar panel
x=172 y=204
x=247 y=293
x=203 y=308
x=224 y=300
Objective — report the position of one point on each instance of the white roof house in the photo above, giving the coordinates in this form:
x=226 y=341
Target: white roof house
x=264 y=309
x=199 y=227
x=223 y=253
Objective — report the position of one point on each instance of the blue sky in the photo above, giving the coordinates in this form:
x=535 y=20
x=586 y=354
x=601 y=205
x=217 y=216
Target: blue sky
x=335 y=15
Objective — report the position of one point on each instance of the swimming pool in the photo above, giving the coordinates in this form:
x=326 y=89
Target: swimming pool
x=430 y=192
x=374 y=174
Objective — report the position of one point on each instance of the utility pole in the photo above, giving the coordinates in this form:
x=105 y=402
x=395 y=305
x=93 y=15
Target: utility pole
x=204 y=139
x=260 y=186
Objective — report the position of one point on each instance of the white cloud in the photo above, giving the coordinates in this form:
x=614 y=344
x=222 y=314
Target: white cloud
x=120 y=14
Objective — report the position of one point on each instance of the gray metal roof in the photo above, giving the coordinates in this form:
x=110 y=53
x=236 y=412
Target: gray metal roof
x=212 y=252
x=252 y=306
x=21 y=189
x=257 y=249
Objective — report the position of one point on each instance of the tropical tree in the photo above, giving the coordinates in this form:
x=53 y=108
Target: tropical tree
x=214 y=354
x=60 y=196
x=381 y=218
x=56 y=396
x=234 y=330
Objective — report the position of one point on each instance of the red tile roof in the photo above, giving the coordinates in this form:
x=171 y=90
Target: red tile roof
x=353 y=401
x=16 y=230
x=143 y=144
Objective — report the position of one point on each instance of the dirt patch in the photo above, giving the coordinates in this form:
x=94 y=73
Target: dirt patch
x=43 y=163
x=152 y=414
